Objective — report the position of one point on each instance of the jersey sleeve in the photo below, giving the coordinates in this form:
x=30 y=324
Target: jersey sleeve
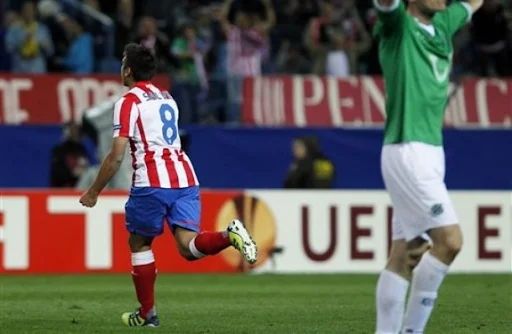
x=391 y=17
x=125 y=117
x=456 y=16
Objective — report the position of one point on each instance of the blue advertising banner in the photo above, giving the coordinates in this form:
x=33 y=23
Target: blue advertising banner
x=237 y=158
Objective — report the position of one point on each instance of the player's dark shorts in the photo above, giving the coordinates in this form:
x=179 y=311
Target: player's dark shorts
x=148 y=208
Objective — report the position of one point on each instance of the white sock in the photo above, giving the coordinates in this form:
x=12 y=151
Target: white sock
x=426 y=280
x=193 y=249
x=390 y=301
x=143 y=258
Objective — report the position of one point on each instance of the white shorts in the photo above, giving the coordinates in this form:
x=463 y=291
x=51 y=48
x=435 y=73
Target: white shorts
x=414 y=177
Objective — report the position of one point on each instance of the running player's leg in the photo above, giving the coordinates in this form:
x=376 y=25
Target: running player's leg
x=184 y=218
x=144 y=216
x=143 y=274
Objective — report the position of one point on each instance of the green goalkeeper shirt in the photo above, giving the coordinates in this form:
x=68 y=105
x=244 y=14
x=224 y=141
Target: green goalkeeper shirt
x=416 y=63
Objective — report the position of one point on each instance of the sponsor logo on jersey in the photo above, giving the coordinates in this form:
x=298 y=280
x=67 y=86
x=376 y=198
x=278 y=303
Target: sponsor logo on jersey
x=440 y=67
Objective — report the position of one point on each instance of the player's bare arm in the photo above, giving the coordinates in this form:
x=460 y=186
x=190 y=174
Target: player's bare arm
x=108 y=169
x=223 y=15
x=270 y=15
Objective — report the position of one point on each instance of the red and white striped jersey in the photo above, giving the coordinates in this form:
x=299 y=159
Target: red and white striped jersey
x=148 y=116
x=245 y=51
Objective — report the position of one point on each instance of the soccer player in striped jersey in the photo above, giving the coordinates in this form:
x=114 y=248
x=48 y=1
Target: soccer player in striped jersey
x=165 y=186
x=415 y=50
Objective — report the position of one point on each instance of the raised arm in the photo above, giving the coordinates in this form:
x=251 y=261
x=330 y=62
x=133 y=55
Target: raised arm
x=458 y=14
x=391 y=15
x=270 y=14
x=387 y=6
x=365 y=40
x=223 y=16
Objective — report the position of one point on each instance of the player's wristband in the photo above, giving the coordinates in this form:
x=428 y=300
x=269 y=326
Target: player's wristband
x=386 y=9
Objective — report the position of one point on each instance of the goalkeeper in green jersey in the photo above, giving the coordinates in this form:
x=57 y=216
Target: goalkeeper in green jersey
x=415 y=51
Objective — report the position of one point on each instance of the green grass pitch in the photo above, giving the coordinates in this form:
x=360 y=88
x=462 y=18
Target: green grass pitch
x=241 y=304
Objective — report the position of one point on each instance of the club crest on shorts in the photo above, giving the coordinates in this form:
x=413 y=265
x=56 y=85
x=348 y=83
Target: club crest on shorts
x=436 y=210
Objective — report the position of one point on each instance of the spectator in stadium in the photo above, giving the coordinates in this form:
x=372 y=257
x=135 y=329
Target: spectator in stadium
x=311 y=169
x=11 y=18
x=190 y=77
x=80 y=55
x=337 y=38
x=246 y=43
x=156 y=41
x=291 y=59
x=52 y=16
x=204 y=25
x=300 y=12
x=95 y=4
x=29 y=42
x=68 y=159
x=371 y=58
x=214 y=107
x=491 y=32
x=287 y=23
x=292 y=17
x=319 y=38
x=164 y=11
x=338 y=61
x=357 y=41
x=124 y=21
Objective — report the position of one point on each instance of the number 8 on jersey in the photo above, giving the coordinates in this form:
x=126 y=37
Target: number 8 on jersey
x=169 y=130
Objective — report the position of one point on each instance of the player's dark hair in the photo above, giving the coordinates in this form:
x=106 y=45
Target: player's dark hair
x=141 y=62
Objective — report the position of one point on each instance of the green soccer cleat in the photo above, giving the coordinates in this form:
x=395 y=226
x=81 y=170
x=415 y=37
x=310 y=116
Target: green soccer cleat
x=242 y=241
x=134 y=319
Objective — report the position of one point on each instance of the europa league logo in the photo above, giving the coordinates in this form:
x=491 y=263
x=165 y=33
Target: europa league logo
x=258 y=219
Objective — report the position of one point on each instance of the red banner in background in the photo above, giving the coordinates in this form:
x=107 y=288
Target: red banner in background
x=54 y=99
x=360 y=101
x=50 y=232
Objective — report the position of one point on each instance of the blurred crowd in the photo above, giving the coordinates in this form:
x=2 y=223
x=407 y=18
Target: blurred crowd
x=208 y=47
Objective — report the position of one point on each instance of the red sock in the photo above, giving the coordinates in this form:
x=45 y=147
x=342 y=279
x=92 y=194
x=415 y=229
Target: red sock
x=209 y=243
x=144 y=277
